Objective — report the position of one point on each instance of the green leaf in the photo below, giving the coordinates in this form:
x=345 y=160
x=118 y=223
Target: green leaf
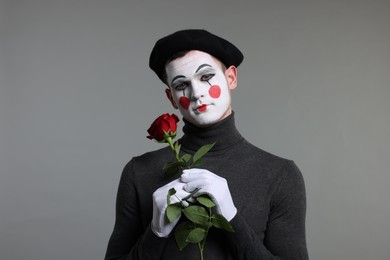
x=177 y=147
x=173 y=212
x=168 y=173
x=171 y=192
x=196 y=163
x=174 y=164
x=221 y=222
x=170 y=169
x=205 y=201
x=197 y=214
x=186 y=157
x=168 y=165
x=181 y=233
x=202 y=151
x=196 y=235
x=182 y=164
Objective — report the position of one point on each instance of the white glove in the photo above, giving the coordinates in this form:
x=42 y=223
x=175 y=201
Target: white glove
x=214 y=186
x=160 y=223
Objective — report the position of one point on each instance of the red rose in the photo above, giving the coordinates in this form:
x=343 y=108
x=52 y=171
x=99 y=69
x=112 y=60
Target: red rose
x=164 y=123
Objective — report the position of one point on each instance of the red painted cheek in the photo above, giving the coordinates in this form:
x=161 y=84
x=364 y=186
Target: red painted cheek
x=215 y=91
x=184 y=102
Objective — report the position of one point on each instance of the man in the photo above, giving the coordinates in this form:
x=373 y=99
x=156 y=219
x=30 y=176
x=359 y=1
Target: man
x=260 y=194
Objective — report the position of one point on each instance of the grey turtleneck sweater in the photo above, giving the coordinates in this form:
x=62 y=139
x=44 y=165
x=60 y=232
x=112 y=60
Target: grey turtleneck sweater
x=267 y=190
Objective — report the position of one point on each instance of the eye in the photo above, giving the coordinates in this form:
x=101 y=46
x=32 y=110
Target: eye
x=181 y=86
x=207 y=77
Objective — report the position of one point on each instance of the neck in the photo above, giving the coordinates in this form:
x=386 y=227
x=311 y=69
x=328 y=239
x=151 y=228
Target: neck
x=224 y=134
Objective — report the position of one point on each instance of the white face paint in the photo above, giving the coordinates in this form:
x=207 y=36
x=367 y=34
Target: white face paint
x=200 y=88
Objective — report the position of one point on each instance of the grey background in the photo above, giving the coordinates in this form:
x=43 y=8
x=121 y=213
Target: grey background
x=77 y=95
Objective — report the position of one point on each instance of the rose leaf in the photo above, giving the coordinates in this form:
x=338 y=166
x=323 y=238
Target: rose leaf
x=196 y=163
x=186 y=157
x=171 y=192
x=177 y=147
x=171 y=169
x=196 y=235
x=181 y=233
x=197 y=214
x=173 y=212
x=221 y=222
x=205 y=201
x=202 y=151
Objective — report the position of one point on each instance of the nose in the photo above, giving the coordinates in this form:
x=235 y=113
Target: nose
x=197 y=91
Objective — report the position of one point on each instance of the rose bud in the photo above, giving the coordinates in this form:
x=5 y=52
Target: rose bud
x=164 y=126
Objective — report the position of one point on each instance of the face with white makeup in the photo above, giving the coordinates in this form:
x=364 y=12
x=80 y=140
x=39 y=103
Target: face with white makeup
x=199 y=86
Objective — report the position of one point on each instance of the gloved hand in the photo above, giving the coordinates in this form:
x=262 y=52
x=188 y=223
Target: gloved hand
x=214 y=186
x=160 y=223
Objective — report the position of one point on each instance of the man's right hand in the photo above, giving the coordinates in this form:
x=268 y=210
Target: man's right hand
x=160 y=223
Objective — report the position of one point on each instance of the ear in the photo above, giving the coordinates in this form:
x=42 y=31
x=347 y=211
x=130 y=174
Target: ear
x=169 y=96
x=231 y=77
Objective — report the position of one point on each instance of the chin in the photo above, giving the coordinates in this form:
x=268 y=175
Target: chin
x=207 y=119
x=204 y=122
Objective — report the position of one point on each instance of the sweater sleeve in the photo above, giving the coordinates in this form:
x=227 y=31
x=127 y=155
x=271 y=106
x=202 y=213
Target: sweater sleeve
x=285 y=235
x=128 y=239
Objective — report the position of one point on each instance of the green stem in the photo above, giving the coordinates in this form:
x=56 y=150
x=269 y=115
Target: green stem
x=201 y=245
x=169 y=140
x=191 y=194
x=201 y=251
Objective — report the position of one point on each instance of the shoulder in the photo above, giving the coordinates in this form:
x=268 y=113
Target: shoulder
x=147 y=166
x=266 y=160
x=150 y=159
x=282 y=174
x=272 y=168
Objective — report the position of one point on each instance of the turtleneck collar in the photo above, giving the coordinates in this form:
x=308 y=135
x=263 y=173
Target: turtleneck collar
x=223 y=133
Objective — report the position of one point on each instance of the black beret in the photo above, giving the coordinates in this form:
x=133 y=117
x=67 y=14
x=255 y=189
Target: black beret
x=192 y=39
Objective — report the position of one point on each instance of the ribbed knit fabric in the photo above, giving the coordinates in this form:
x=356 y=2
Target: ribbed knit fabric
x=267 y=190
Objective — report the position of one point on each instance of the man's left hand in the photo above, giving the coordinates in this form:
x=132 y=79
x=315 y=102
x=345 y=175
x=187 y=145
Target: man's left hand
x=214 y=186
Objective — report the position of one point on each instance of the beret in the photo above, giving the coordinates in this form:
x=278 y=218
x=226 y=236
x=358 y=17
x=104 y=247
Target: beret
x=192 y=39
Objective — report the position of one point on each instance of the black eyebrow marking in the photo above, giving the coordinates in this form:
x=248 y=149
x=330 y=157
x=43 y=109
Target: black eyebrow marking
x=202 y=66
x=177 y=77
